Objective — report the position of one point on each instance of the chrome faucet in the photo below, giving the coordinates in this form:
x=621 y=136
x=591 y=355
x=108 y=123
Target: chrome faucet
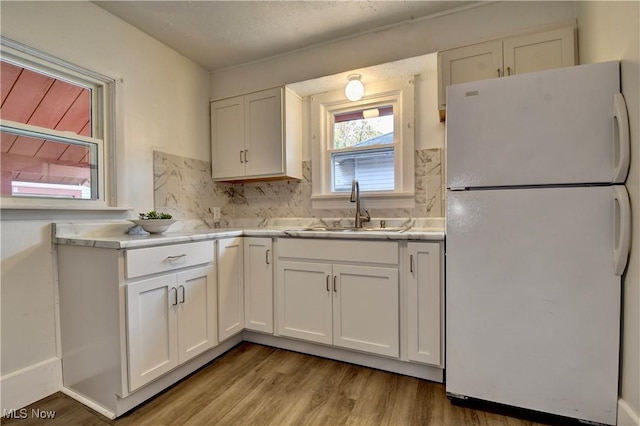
x=355 y=198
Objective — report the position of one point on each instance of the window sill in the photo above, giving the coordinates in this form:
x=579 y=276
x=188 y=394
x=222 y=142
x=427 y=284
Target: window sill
x=9 y=205
x=61 y=208
x=26 y=211
x=368 y=200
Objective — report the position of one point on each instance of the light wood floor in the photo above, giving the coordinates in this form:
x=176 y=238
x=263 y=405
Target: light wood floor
x=259 y=385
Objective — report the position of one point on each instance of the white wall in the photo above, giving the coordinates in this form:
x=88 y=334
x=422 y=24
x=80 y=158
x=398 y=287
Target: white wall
x=416 y=38
x=419 y=37
x=163 y=104
x=610 y=31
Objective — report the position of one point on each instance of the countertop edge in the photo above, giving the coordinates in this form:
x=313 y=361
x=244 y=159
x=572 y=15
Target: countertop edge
x=140 y=241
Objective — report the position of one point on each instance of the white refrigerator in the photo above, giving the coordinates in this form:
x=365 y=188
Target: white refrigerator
x=537 y=238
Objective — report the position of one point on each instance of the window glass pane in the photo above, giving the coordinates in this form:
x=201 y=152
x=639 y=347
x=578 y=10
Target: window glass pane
x=366 y=127
x=34 y=98
x=374 y=170
x=37 y=166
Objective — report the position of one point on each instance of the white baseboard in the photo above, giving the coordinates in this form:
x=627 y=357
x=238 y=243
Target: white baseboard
x=26 y=386
x=626 y=415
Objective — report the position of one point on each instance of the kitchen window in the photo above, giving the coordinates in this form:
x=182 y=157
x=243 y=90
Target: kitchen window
x=370 y=140
x=363 y=148
x=56 y=132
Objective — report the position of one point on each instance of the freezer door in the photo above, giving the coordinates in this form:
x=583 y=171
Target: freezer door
x=550 y=127
x=532 y=301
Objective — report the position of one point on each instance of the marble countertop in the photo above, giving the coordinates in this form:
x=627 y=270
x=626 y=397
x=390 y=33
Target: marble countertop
x=113 y=234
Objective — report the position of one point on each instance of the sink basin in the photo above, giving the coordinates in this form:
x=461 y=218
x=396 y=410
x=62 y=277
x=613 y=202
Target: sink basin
x=349 y=229
x=389 y=229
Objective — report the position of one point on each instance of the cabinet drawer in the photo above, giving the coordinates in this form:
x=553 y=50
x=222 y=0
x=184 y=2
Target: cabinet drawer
x=152 y=260
x=339 y=250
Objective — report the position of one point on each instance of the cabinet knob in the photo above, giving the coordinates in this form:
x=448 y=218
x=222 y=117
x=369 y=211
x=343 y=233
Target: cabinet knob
x=498 y=72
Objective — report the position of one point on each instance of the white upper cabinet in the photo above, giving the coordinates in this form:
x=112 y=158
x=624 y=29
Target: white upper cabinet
x=257 y=136
x=500 y=58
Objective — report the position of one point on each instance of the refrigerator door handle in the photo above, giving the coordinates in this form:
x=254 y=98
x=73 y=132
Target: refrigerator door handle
x=621 y=138
x=622 y=226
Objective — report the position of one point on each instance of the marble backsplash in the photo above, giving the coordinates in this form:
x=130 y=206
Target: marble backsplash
x=184 y=188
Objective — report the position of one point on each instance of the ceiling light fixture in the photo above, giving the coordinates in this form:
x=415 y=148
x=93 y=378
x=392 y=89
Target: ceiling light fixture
x=354 y=88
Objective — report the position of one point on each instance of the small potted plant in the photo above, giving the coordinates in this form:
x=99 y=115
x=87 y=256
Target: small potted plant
x=154 y=222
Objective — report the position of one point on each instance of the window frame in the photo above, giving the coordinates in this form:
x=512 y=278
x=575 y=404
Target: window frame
x=397 y=92
x=102 y=121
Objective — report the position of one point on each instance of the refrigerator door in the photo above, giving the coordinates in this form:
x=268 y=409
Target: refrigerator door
x=550 y=127
x=532 y=301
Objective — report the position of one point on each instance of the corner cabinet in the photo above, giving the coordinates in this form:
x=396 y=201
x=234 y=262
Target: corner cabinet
x=258 y=284
x=257 y=136
x=424 y=303
x=502 y=58
x=230 y=261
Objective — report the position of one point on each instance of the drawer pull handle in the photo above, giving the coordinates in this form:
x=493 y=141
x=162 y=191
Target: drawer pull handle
x=328 y=283
x=266 y=256
x=183 y=293
x=175 y=299
x=177 y=257
x=334 y=284
x=411 y=263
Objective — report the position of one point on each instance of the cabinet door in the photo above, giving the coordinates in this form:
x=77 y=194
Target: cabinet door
x=258 y=284
x=539 y=51
x=151 y=329
x=424 y=303
x=196 y=311
x=304 y=293
x=366 y=309
x=263 y=137
x=230 y=287
x=227 y=138
x=469 y=63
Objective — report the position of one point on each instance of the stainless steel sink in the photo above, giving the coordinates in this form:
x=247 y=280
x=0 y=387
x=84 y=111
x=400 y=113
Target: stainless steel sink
x=348 y=229
x=389 y=229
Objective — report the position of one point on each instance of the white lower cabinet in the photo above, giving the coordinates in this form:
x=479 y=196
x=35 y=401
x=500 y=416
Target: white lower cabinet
x=365 y=309
x=134 y=321
x=305 y=301
x=424 y=303
x=170 y=319
x=345 y=305
x=258 y=284
x=230 y=262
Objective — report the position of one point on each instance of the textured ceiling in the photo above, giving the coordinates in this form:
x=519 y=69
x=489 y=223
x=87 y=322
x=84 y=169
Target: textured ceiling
x=223 y=34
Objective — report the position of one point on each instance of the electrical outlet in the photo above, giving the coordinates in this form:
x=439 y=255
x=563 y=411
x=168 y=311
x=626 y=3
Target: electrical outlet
x=216 y=212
